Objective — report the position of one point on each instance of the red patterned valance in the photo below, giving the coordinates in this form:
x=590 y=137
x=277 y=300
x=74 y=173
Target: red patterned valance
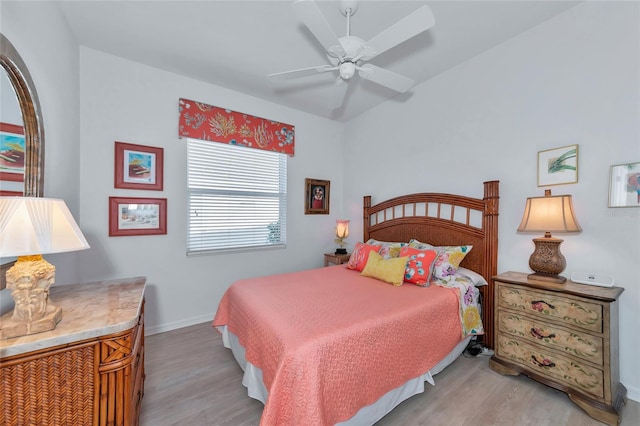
x=210 y=123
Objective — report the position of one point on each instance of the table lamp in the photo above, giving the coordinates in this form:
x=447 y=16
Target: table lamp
x=342 y=232
x=30 y=227
x=551 y=213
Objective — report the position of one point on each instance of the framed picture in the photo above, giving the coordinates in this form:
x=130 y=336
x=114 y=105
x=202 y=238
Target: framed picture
x=137 y=216
x=12 y=156
x=558 y=166
x=138 y=167
x=316 y=198
x=624 y=185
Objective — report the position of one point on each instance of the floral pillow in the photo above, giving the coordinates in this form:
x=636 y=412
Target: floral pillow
x=360 y=255
x=388 y=270
x=448 y=259
x=419 y=265
x=388 y=249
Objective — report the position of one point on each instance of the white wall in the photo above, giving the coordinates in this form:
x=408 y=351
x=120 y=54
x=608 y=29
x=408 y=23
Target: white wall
x=572 y=80
x=129 y=102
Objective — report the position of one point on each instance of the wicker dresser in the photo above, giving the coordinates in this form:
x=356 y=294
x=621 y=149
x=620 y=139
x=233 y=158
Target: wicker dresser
x=562 y=335
x=89 y=370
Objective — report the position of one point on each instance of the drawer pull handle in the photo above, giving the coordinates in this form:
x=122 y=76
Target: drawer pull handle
x=538 y=305
x=538 y=335
x=544 y=363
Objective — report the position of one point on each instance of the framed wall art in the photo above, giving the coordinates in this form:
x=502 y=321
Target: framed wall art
x=558 y=166
x=624 y=185
x=138 y=167
x=137 y=216
x=316 y=199
x=12 y=159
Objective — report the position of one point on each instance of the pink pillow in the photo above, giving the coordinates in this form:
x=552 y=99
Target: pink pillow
x=419 y=265
x=360 y=255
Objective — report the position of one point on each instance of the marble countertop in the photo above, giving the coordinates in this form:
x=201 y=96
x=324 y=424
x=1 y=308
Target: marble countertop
x=89 y=310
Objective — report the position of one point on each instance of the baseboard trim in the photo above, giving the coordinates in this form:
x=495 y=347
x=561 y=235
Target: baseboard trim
x=149 y=331
x=633 y=393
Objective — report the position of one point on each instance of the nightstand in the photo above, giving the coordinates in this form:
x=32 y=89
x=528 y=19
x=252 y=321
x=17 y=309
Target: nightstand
x=562 y=335
x=337 y=259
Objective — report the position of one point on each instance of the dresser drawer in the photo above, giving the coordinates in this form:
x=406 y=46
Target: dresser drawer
x=549 y=335
x=548 y=305
x=550 y=364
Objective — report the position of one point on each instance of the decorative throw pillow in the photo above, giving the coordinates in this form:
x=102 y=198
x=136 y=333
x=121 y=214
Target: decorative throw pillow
x=419 y=265
x=388 y=249
x=388 y=270
x=360 y=255
x=448 y=259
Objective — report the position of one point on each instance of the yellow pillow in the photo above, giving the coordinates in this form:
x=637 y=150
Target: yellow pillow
x=388 y=270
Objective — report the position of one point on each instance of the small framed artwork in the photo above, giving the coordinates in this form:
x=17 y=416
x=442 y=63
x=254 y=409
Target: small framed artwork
x=137 y=216
x=624 y=185
x=12 y=152
x=316 y=199
x=558 y=166
x=138 y=167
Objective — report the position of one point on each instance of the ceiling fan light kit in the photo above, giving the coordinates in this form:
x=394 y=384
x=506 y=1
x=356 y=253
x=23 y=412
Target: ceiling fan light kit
x=348 y=54
x=347 y=70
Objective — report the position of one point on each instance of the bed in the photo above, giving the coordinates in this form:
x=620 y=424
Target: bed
x=332 y=346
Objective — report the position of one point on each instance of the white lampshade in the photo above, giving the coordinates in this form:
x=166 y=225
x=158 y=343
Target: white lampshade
x=34 y=225
x=552 y=213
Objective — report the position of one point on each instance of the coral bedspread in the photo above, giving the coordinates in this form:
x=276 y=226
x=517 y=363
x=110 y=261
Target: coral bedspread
x=330 y=341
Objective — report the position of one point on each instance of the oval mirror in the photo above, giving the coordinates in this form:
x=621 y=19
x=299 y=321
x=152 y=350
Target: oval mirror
x=17 y=74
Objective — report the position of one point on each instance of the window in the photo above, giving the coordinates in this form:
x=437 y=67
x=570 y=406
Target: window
x=237 y=197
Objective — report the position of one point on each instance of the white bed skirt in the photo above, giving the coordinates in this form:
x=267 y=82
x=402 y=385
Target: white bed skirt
x=252 y=380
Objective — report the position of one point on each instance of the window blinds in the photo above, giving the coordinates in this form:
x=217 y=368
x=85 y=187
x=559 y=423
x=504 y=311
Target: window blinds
x=237 y=197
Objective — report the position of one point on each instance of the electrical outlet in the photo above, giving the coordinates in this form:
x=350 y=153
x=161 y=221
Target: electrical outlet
x=593 y=279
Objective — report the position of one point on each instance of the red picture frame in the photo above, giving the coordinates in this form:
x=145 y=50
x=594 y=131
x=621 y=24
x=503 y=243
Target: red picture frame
x=138 y=167
x=137 y=216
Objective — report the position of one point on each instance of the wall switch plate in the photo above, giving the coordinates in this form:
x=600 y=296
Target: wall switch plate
x=592 y=279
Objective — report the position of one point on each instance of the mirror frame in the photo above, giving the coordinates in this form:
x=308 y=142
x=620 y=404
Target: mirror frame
x=22 y=83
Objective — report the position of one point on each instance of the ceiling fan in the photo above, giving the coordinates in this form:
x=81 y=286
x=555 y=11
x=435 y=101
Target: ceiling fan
x=348 y=54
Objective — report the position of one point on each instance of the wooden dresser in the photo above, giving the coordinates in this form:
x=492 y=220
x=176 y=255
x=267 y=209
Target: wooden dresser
x=89 y=370
x=562 y=335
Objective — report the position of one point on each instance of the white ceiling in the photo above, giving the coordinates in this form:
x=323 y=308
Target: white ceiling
x=235 y=44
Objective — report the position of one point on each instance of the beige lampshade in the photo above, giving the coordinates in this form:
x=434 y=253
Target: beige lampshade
x=342 y=228
x=552 y=213
x=35 y=225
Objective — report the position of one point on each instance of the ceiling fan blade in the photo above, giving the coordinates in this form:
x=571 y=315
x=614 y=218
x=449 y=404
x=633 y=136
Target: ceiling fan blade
x=386 y=78
x=312 y=17
x=303 y=72
x=406 y=28
x=339 y=93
